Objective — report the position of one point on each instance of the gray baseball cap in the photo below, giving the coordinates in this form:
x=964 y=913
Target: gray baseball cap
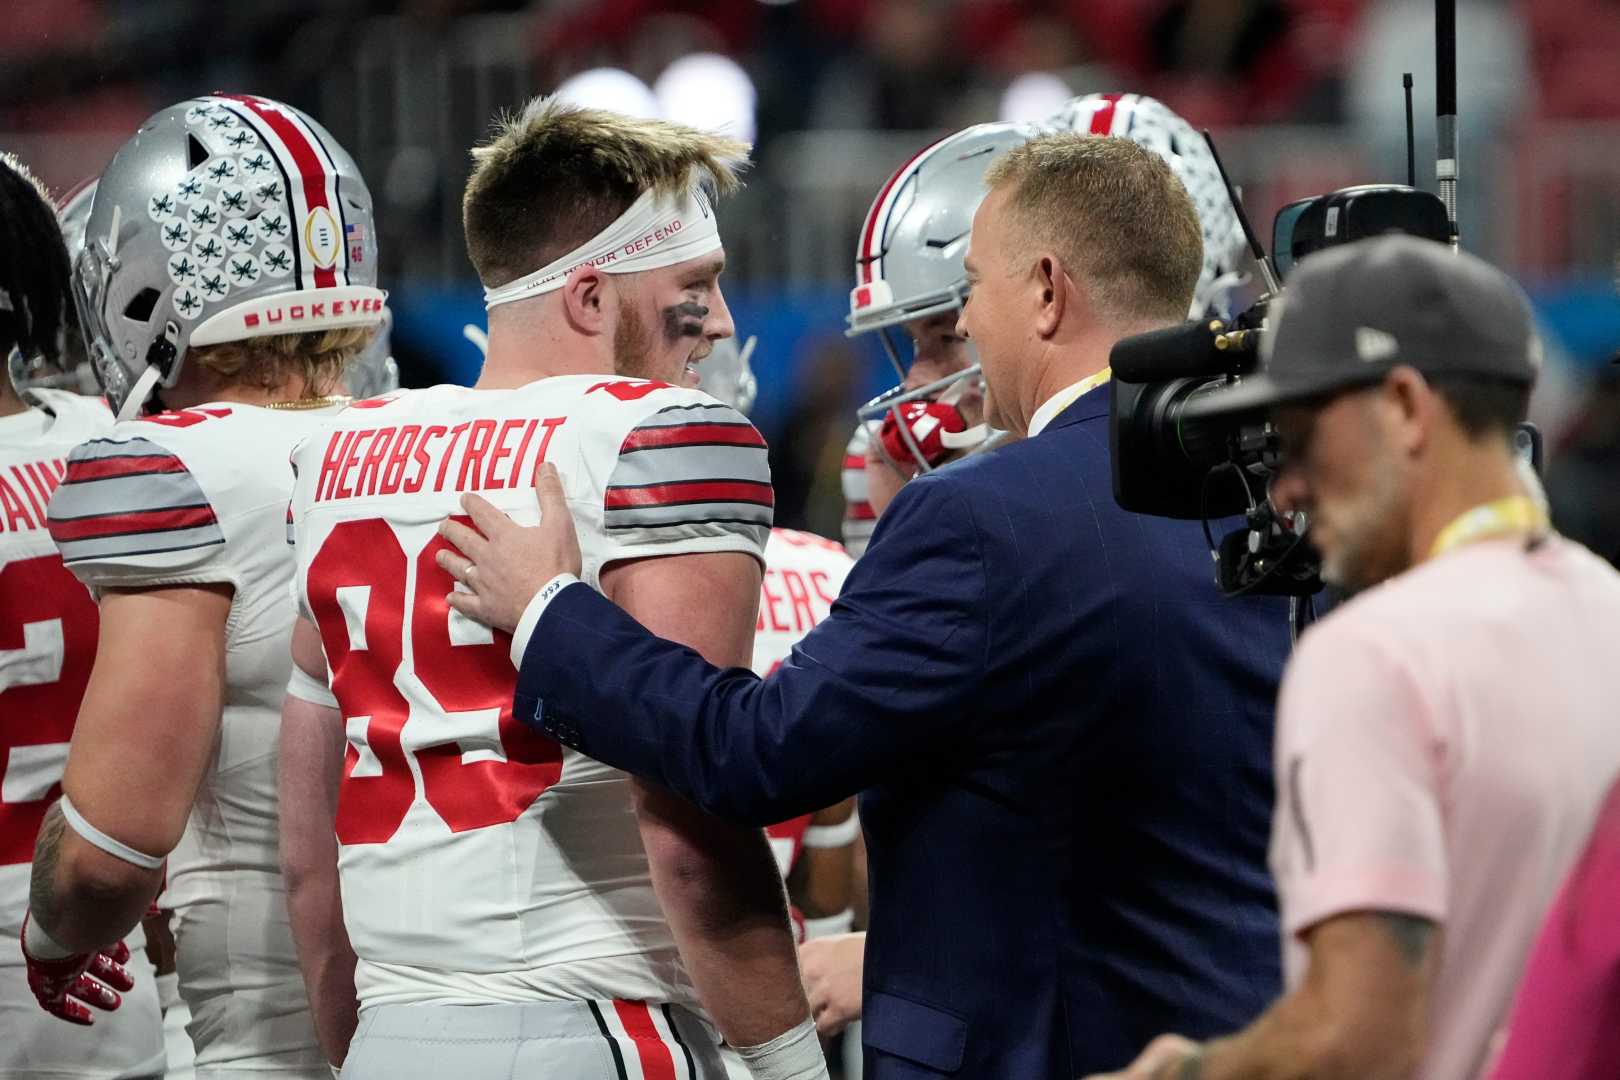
x=1352 y=313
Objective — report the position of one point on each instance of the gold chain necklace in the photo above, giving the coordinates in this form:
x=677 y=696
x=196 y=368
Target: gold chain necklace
x=300 y=404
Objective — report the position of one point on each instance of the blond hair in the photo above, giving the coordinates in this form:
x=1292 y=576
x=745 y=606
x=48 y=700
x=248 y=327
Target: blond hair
x=265 y=363
x=1115 y=215
x=556 y=174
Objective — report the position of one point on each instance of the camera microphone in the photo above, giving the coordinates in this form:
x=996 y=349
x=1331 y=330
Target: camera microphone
x=1171 y=353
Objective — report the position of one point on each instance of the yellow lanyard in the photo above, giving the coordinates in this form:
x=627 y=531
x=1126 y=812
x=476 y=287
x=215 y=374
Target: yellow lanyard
x=1514 y=514
x=1065 y=398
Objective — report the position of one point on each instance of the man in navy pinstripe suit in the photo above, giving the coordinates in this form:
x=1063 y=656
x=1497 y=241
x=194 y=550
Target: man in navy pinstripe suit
x=1061 y=731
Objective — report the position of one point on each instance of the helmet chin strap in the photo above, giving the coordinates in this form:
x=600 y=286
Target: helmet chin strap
x=967 y=437
x=138 y=393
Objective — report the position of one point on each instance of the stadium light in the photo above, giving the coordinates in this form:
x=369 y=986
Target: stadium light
x=1034 y=95
x=610 y=88
x=708 y=91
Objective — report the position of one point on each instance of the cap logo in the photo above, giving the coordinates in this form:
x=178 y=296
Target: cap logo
x=1375 y=345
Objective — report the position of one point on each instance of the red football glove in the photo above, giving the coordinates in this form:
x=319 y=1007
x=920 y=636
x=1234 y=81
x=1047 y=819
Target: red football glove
x=65 y=987
x=928 y=421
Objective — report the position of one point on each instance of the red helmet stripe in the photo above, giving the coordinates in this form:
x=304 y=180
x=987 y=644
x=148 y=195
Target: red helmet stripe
x=301 y=149
x=1102 y=121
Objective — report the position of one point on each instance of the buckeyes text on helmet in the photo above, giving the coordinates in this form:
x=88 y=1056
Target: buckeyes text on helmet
x=224 y=218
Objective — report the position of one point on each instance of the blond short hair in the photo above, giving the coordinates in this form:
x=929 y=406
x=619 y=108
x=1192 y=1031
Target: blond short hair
x=1113 y=212
x=556 y=174
x=265 y=363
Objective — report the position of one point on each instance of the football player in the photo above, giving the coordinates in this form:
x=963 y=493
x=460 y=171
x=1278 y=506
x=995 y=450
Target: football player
x=47 y=644
x=909 y=281
x=908 y=273
x=516 y=908
x=227 y=278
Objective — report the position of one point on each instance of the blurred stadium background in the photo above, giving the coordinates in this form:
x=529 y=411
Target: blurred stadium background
x=1303 y=95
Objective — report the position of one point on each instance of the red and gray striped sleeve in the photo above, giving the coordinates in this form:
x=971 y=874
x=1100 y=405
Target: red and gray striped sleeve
x=695 y=476
x=128 y=511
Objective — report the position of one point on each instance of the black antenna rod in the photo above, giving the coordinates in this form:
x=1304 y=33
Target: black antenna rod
x=1445 y=100
x=1411 y=136
x=1267 y=271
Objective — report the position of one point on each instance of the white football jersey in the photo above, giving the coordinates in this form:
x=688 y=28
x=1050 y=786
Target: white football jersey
x=48 y=624
x=859 y=517
x=480 y=861
x=199 y=496
x=803 y=576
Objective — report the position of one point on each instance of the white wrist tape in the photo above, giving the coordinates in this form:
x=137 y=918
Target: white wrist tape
x=168 y=990
x=524 y=630
x=828 y=925
x=793 y=1055
x=40 y=945
x=306 y=687
x=655 y=231
x=828 y=836
x=96 y=838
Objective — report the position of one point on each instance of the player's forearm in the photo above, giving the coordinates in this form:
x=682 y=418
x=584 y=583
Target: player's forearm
x=84 y=898
x=326 y=960
x=724 y=900
x=309 y=772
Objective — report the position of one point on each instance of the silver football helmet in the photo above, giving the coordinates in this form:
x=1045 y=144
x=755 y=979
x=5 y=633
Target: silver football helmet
x=726 y=375
x=226 y=217
x=908 y=259
x=908 y=265
x=1152 y=124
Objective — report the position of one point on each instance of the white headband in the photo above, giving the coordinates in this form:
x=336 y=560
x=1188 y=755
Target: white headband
x=655 y=231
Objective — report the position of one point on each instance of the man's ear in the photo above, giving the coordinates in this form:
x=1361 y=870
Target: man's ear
x=584 y=297
x=1414 y=406
x=1050 y=281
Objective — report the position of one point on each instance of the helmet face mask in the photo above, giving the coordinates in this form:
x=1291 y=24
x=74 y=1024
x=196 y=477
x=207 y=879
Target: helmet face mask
x=373 y=373
x=726 y=374
x=224 y=218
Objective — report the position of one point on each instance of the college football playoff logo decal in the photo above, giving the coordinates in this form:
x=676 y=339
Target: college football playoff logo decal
x=321 y=238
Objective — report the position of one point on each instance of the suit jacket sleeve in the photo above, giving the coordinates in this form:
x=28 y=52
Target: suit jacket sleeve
x=890 y=676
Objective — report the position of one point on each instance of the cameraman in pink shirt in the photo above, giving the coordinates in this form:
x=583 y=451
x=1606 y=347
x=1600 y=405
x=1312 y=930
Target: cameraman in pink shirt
x=1445 y=738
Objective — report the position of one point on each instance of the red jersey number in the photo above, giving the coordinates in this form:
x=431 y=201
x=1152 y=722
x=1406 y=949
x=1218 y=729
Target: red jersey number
x=365 y=556
x=630 y=389
x=48 y=625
